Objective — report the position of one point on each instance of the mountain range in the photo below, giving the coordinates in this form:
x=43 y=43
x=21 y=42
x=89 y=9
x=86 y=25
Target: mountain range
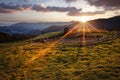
x=109 y=24
x=24 y=28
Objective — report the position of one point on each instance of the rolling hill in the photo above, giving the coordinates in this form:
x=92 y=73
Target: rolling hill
x=27 y=60
x=111 y=24
x=23 y=28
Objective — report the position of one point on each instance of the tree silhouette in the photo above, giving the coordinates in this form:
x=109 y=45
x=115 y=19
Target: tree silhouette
x=66 y=29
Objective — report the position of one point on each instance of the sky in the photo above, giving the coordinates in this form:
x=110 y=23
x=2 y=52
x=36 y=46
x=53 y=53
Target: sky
x=56 y=10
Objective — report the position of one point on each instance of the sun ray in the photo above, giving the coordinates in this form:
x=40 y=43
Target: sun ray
x=83 y=33
x=84 y=37
x=88 y=28
x=84 y=27
x=80 y=27
x=93 y=27
x=43 y=52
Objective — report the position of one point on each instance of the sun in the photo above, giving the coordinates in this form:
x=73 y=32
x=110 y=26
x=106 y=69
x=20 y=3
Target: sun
x=84 y=19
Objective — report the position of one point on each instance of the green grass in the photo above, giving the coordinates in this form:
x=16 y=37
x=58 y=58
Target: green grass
x=52 y=34
x=63 y=62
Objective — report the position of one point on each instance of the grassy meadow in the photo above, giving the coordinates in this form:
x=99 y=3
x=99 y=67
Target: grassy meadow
x=27 y=60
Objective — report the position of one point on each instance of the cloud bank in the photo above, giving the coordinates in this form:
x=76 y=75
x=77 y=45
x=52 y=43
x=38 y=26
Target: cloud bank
x=85 y=13
x=7 y=8
x=107 y=5
x=69 y=1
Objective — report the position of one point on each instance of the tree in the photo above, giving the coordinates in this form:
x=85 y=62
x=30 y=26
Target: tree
x=66 y=29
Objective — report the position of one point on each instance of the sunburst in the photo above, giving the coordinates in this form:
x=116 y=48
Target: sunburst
x=84 y=19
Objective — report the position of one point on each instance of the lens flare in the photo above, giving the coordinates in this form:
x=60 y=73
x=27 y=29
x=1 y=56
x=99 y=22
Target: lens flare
x=83 y=28
x=44 y=51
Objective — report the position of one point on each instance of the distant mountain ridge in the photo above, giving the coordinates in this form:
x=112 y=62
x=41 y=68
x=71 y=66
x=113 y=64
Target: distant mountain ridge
x=23 y=28
x=110 y=24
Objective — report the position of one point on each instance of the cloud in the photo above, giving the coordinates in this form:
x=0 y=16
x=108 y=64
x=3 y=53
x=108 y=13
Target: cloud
x=117 y=12
x=31 y=0
x=69 y=1
x=71 y=11
x=106 y=4
x=41 y=8
x=8 y=8
x=27 y=0
x=85 y=13
x=63 y=9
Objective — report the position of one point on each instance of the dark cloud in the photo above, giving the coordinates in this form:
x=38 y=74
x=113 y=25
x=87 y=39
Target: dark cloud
x=8 y=8
x=85 y=13
x=39 y=8
x=71 y=11
x=26 y=0
x=106 y=4
x=69 y=1
x=63 y=9
x=53 y=8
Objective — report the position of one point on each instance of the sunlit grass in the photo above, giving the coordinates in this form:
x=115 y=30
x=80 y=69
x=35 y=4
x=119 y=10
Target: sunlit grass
x=55 y=60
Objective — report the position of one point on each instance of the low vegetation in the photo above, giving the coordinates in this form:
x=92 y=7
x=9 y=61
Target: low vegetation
x=61 y=62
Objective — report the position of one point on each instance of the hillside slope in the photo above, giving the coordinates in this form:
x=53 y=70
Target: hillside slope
x=62 y=62
x=111 y=24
